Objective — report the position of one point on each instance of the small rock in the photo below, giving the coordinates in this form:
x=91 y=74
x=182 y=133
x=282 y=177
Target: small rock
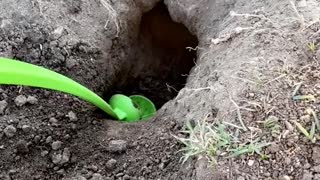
x=93 y=168
x=22 y=147
x=56 y=158
x=250 y=162
x=67 y=136
x=56 y=145
x=161 y=166
x=44 y=153
x=49 y=140
x=12 y=172
x=53 y=121
x=251 y=95
x=20 y=100
x=10 y=131
x=111 y=164
x=65 y=156
x=267 y=174
x=32 y=100
x=37 y=139
x=3 y=106
x=26 y=128
x=61 y=171
x=289 y=126
x=241 y=178
x=117 y=146
x=72 y=116
x=120 y=174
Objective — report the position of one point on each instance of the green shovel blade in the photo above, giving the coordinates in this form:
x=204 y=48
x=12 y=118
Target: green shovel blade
x=146 y=108
x=14 y=72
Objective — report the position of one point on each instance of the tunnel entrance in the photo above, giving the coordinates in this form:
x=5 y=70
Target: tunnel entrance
x=161 y=61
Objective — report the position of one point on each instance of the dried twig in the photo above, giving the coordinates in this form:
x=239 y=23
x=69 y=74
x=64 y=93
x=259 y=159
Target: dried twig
x=302 y=21
x=239 y=114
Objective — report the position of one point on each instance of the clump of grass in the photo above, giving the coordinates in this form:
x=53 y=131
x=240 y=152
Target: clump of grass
x=213 y=140
x=315 y=127
x=204 y=139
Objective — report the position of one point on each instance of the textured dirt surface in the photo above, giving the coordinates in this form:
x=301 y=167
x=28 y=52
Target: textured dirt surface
x=254 y=53
x=49 y=135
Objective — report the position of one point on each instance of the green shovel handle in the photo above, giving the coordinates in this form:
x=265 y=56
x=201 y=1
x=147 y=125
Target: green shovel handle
x=14 y=72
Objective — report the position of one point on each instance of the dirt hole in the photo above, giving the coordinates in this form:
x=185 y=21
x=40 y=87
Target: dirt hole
x=160 y=60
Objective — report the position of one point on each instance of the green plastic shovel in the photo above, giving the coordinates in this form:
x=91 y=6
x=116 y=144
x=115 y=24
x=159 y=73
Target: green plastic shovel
x=121 y=107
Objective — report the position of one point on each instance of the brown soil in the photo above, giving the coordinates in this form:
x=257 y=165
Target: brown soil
x=255 y=58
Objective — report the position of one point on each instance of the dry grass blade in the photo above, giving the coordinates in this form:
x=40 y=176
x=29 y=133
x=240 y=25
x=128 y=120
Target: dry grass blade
x=244 y=127
x=309 y=97
x=302 y=21
x=316 y=120
x=312 y=132
x=296 y=89
x=113 y=15
x=253 y=147
x=302 y=129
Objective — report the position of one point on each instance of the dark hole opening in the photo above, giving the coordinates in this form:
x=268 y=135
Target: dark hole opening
x=161 y=61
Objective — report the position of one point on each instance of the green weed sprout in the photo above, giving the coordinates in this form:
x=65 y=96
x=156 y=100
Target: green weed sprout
x=312 y=47
x=272 y=125
x=121 y=107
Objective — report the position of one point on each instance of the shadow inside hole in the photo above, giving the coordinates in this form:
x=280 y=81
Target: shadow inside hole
x=160 y=62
